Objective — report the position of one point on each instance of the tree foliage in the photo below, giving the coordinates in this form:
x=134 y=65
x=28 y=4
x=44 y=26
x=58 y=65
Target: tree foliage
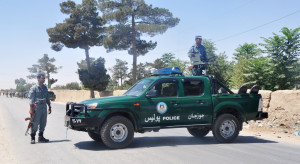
x=120 y=70
x=97 y=78
x=258 y=71
x=83 y=29
x=70 y=86
x=283 y=51
x=247 y=51
x=129 y=20
x=221 y=68
x=22 y=85
x=45 y=65
x=210 y=50
x=243 y=56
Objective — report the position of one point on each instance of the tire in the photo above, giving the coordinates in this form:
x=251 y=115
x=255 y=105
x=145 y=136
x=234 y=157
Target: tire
x=226 y=128
x=95 y=136
x=198 y=132
x=117 y=132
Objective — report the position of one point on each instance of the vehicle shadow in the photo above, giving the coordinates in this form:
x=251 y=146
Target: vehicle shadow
x=148 y=142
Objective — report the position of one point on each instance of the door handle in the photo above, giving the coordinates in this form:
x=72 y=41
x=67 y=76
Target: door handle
x=200 y=102
x=175 y=102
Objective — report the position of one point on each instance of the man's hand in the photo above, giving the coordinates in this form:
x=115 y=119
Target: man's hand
x=49 y=110
x=31 y=110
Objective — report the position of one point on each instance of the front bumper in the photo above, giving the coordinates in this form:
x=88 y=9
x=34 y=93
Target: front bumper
x=80 y=123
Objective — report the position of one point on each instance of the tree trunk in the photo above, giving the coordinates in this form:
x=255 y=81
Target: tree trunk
x=134 y=54
x=87 y=58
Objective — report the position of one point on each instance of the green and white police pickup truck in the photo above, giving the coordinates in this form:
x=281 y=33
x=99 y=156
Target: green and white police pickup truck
x=167 y=100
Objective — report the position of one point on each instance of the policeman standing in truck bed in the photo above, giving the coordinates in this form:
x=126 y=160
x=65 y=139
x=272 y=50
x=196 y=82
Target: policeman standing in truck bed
x=197 y=55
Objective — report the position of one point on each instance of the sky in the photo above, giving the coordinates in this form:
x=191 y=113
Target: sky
x=230 y=23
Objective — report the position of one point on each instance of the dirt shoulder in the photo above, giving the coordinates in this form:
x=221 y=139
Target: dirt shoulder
x=5 y=153
x=272 y=134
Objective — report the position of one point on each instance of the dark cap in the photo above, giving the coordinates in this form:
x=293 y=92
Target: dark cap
x=198 y=37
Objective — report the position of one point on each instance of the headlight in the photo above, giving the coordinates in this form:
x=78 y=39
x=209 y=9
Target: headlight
x=92 y=105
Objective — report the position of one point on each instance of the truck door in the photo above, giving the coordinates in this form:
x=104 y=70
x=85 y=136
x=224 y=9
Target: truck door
x=164 y=109
x=196 y=101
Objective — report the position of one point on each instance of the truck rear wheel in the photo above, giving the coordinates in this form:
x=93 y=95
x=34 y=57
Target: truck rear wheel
x=117 y=132
x=226 y=128
x=95 y=136
x=198 y=132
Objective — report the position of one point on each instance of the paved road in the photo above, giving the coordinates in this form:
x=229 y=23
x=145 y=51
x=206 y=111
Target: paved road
x=166 y=146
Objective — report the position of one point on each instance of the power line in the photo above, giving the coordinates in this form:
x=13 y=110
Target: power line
x=234 y=35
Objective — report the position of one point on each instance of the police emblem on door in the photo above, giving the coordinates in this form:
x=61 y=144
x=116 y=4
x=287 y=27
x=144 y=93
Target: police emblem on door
x=161 y=107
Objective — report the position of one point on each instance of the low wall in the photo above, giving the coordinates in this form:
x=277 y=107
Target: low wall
x=79 y=95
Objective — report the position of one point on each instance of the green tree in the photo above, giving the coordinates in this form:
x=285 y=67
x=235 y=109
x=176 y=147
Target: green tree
x=45 y=65
x=83 y=64
x=217 y=64
x=130 y=19
x=167 y=58
x=112 y=85
x=247 y=51
x=70 y=86
x=83 y=29
x=22 y=85
x=283 y=51
x=210 y=50
x=20 y=82
x=182 y=64
x=119 y=70
x=97 y=78
x=243 y=55
x=157 y=64
x=259 y=72
x=221 y=68
x=143 y=71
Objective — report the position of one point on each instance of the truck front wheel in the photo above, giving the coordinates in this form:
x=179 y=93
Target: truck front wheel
x=226 y=128
x=117 y=132
x=198 y=132
x=95 y=136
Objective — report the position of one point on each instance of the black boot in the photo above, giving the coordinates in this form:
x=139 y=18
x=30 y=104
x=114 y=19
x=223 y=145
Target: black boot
x=32 y=138
x=41 y=137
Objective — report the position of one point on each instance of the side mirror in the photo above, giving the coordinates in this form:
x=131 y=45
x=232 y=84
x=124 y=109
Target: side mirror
x=151 y=94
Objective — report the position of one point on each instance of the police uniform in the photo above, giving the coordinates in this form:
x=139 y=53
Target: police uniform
x=39 y=96
x=199 y=58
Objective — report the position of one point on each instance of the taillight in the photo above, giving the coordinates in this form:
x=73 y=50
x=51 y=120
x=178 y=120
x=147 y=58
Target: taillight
x=260 y=105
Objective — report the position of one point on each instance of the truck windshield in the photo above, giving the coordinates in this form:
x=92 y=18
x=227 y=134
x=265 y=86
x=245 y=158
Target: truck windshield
x=139 y=87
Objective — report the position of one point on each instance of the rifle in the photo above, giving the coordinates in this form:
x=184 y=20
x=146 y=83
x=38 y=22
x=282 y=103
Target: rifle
x=31 y=119
x=205 y=65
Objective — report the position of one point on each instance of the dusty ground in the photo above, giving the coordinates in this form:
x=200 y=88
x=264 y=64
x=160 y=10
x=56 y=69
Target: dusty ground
x=5 y=156
x=274 y=134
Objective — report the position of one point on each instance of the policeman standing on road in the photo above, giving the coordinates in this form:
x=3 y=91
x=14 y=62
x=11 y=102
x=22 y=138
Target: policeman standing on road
x=39 y=95
x=197 y=55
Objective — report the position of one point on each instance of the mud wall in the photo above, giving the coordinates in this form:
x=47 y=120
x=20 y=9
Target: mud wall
x=79 y=95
